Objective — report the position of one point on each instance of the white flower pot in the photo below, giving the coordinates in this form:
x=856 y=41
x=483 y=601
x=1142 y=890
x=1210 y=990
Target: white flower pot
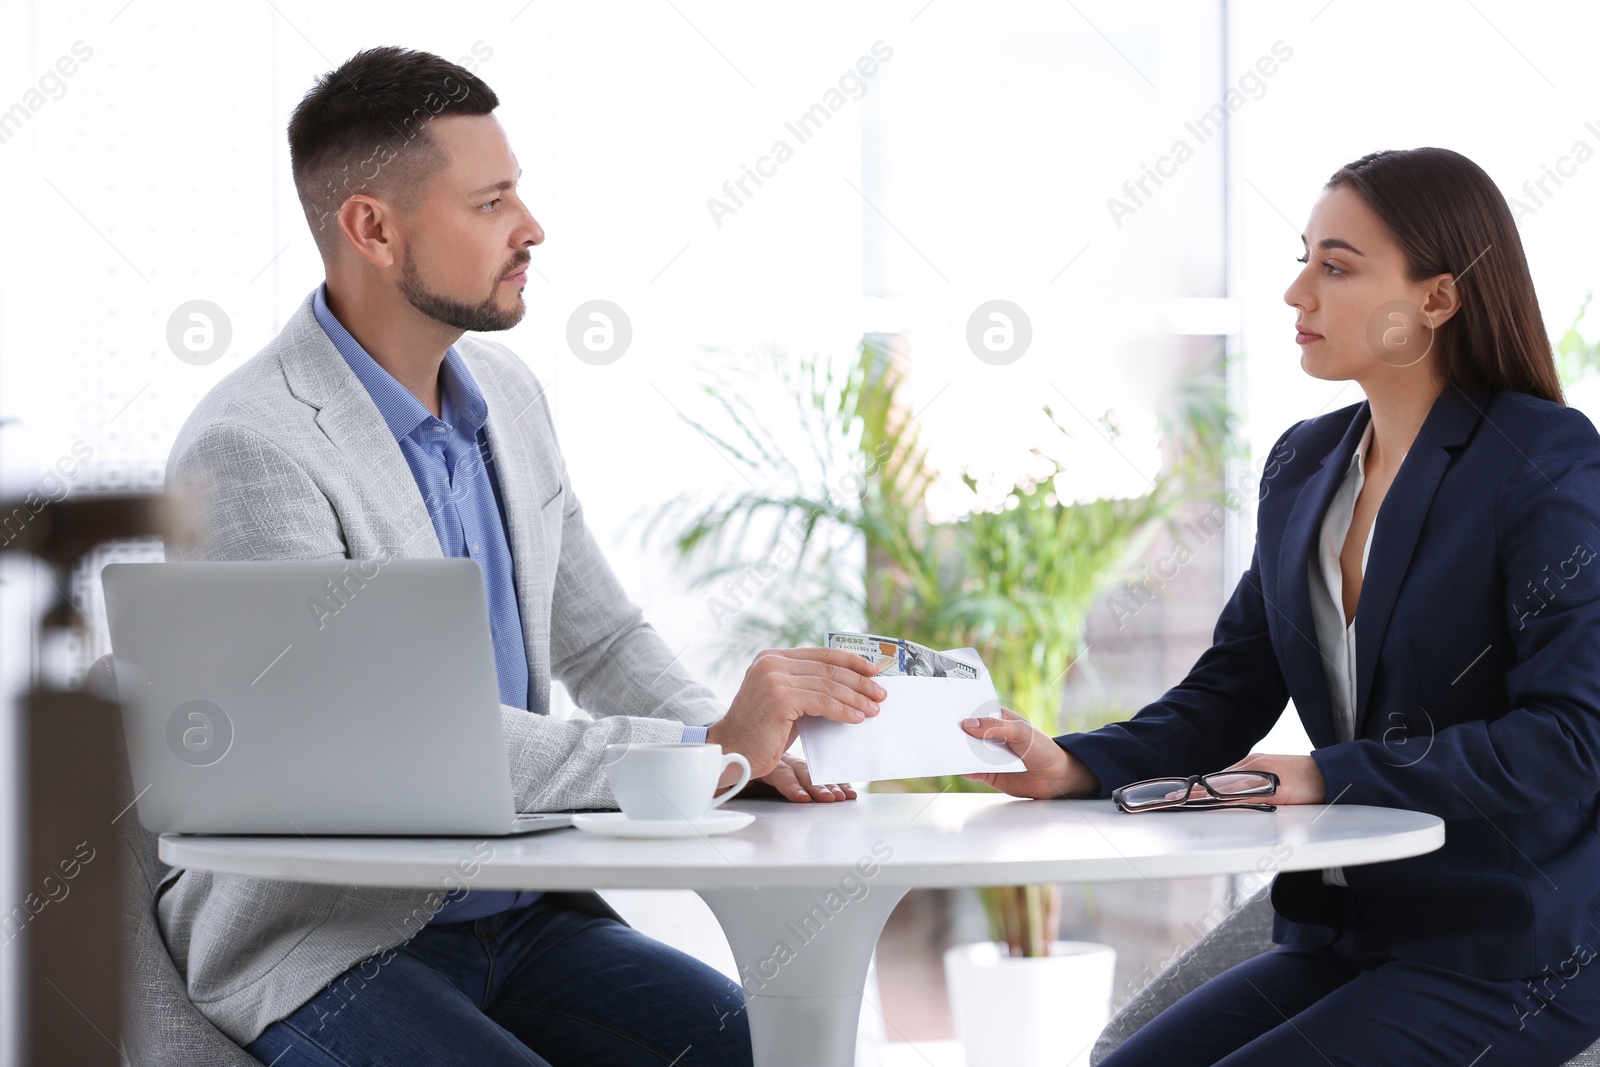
x=1022 y=1012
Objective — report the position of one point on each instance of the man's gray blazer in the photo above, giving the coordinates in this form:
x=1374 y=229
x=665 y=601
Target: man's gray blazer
x=290 y=459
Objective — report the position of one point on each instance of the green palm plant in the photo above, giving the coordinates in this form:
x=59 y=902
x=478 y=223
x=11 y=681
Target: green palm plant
x=837 y=497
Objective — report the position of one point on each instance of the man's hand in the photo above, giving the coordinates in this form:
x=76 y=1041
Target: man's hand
x=1299 y=778
x=1051 y=771
x=783 y=684
x=791 y=780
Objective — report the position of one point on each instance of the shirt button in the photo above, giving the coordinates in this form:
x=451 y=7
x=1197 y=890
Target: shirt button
x=474 y=546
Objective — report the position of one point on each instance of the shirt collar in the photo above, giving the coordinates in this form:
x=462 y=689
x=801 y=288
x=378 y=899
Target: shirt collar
x=1358 y=459
x=402 y=411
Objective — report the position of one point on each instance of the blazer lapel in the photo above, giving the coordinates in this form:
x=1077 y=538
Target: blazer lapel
x=318 y=375
x=1303 y=665
x=1450 y=423
x=532 y=563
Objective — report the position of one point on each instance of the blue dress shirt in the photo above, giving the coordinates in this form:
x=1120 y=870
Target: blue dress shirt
x=450 y=459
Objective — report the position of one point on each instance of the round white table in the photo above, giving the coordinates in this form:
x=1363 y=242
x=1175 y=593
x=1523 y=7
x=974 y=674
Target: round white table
x=804 y=891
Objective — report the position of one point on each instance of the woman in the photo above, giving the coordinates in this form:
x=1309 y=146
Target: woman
x=1425 y=587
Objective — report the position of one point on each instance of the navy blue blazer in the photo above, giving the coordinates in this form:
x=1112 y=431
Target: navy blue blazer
x=1477 y=681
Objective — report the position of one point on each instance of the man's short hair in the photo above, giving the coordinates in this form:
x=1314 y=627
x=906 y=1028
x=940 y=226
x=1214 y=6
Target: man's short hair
x=363 y=128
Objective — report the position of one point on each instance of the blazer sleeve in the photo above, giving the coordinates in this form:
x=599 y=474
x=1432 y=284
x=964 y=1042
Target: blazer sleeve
x=1546 y=749
x=1211 y=719
x=1226 y=703
x=255 y=502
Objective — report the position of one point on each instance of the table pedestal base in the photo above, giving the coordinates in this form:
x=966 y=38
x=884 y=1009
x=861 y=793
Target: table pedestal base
x=802 y=956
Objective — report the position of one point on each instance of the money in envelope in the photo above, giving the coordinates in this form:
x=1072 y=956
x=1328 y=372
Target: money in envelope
x=918 y=731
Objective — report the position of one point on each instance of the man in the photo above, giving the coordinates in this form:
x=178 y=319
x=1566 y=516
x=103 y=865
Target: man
x=371 y=426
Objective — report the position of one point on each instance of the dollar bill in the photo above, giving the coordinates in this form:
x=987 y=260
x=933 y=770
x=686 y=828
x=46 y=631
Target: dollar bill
x=894 y=655
x=924 y=662
x=886 y=653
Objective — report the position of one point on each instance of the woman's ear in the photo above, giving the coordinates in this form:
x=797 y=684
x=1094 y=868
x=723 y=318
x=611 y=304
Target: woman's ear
x=1441 y=299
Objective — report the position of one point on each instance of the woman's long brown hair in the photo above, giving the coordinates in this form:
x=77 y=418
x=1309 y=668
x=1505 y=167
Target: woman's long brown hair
x=1450 y=218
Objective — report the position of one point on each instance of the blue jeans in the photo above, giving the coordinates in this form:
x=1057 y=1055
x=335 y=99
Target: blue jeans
x=542 y=985
x=1351 y=1003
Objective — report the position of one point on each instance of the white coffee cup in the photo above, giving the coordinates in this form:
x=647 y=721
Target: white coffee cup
x=670 y=781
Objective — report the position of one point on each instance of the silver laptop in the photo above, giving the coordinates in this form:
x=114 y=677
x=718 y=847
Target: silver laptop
x=312 y=697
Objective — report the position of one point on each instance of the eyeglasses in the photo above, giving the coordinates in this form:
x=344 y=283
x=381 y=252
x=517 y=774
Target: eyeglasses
x=1221 y=789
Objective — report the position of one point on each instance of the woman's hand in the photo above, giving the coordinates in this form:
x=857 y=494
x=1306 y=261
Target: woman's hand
x=1299 y=779
x=1051 y=771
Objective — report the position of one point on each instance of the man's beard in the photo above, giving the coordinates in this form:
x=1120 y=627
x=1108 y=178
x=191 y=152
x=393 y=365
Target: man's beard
x=484 y=318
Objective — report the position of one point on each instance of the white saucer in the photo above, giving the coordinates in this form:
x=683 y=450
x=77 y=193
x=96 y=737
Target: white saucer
x=616 y=824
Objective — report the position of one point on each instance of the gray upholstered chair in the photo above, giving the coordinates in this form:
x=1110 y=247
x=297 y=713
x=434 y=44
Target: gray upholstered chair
x=161 y=1028
x=1245 y=933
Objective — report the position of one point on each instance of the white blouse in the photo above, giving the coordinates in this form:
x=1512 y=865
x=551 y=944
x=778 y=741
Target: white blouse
x=1336 y=635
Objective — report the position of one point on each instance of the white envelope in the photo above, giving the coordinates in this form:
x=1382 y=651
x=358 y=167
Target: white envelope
x=916 y=734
